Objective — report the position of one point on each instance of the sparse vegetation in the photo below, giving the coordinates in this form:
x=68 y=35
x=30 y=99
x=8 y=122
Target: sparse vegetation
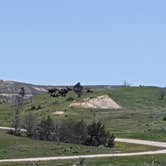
x=141 y=116
x=164 y=119
x=94 y=134
x=23 y=147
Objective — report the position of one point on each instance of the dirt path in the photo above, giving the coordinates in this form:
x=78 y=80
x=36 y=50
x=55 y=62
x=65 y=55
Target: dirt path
x=9 y=128
x=84 y=156
x=132 y=141
x=142 y=142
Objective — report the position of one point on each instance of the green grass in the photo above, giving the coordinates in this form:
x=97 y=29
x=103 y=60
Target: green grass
x=157 y=160
x=141 y=117
x=22 y=147
x=6 y=114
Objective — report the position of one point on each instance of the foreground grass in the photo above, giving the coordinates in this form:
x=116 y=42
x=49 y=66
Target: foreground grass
x=21 y=147
x=158 y=160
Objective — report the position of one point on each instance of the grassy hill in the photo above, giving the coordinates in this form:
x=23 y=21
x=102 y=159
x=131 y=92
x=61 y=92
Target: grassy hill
x=8 y=89
x=141 y=115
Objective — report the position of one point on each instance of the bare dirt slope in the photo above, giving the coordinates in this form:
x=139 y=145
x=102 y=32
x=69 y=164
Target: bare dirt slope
x=100 y=102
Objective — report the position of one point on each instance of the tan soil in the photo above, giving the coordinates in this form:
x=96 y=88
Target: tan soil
x=100 y=102
x=58 y=113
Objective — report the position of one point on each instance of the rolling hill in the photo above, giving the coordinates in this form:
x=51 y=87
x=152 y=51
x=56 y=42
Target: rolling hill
x=9 y=89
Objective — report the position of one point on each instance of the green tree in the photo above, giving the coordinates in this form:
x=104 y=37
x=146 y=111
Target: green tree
x=97 y=135
x=31 y=124
x=78 y=89
x=73 y=132
x=47 y=129
x=19 y=103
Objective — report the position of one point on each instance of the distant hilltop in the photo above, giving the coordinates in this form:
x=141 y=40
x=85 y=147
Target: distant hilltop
x=9 y=89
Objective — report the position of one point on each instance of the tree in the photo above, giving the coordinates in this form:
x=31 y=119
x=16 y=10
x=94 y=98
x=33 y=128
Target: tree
x=162 y=94
x=70 y=132
x=22 y=92
x=78 y=89
x=47 y=129
x=97 y=135
x=73 y=132
x=19 y=102
x=31 y=124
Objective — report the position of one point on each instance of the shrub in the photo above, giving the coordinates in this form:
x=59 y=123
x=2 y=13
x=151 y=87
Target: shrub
x=38 y=107
x=33 y=107
x=97 y=135
x=70 y=99
x=164 y=119
x=73 y=132
x=94 y=134
x=46 y=129
x=30 y=124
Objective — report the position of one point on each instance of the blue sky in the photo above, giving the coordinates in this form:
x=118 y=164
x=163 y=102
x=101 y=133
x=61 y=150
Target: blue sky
x=91 y=41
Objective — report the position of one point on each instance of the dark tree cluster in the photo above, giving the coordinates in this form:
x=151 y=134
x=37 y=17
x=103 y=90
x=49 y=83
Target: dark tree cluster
x=78 y=89
x=97 y=135
x=94 y=134
x=59 y=92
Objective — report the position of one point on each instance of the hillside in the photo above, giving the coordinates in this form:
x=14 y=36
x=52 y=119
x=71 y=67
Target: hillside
x=9 y=89
x=141 y=115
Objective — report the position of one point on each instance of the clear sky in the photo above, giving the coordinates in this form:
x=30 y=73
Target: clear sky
x=91 y=41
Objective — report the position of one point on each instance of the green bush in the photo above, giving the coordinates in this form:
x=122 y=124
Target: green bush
x=70 y=99
x=164 y=119
x=94 y=134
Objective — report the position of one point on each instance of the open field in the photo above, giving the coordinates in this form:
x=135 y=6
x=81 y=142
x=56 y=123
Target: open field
x=22 y=147
x=141 y=117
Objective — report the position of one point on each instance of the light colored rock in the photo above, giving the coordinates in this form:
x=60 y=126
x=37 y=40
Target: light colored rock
x=58 y=113
x=100 y=102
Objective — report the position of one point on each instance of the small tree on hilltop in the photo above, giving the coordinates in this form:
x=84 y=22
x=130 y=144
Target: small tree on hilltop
x=78 y=89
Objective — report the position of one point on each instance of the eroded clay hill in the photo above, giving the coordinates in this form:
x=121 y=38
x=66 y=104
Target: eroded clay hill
x=100 y=102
